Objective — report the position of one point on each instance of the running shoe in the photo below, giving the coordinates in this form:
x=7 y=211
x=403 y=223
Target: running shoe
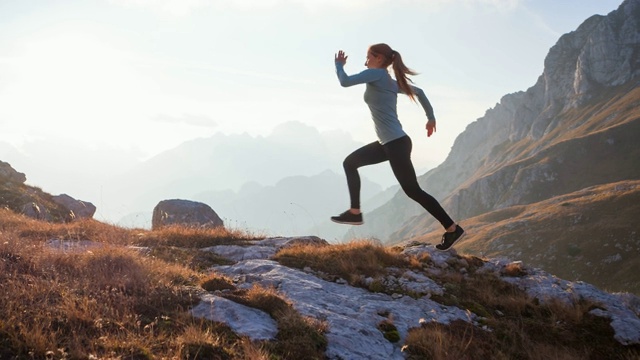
x=450 y=238
x=348 y=218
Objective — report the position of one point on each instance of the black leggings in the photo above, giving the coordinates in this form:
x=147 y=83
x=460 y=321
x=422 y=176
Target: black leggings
x=398 y=152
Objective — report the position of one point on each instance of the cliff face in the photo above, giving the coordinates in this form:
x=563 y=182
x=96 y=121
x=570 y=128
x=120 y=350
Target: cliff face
x=558 y=136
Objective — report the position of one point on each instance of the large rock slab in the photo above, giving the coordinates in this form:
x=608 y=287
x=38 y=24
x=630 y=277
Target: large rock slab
x=352 y=314
x=254 y=323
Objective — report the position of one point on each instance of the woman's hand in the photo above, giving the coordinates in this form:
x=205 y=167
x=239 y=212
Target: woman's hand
x=341 y=57
x=431 y=127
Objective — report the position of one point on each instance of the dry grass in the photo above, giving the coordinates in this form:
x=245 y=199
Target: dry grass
x=349 y=261
x=514 y=269
x=96 y=303
x=215 y=282
x=192 y=237
x=114 y=302
x=35 y=230
x=193 y=258
x=458 y=340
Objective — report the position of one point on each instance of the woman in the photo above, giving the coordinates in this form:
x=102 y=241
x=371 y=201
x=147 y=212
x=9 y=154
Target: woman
x=393 y=144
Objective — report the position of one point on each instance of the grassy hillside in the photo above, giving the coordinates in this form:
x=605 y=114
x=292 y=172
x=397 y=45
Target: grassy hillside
x=113 y=301
x=591 y=235
x=14 y=196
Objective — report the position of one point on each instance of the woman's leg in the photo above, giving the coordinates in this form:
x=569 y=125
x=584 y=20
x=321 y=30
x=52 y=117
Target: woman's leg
x=399 y=154
x=367 y=155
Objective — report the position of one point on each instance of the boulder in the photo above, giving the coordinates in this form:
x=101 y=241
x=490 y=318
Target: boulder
x=80 y=209
x=184 y=212
x=35 y=211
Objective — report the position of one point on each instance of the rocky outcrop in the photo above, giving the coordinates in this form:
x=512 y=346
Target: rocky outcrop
x=78 y=208
x=605 y=51
x=352 y=313
x=9 y=174
x=186 y=213
x=37 y=204
x=56 y=208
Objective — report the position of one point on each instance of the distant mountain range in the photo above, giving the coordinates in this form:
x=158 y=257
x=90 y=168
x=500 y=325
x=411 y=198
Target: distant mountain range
x=294 y=205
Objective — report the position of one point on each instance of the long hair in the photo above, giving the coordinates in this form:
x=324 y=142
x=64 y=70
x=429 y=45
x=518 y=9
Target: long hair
x=400 y=70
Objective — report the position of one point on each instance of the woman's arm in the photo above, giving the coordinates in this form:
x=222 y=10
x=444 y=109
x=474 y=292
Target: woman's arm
x=428 y=109
x=424 y=102
x=361 y=78
x=364 y=77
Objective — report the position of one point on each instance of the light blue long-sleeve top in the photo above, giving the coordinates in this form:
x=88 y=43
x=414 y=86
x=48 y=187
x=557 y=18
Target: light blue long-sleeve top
x=381 y=95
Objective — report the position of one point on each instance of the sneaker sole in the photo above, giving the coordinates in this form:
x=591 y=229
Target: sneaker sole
x=347 y=223
x=453 y=243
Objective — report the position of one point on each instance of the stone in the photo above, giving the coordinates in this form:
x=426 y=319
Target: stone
x=250 y=322
x=186 y=213
x=80 y=209
x=35 y=211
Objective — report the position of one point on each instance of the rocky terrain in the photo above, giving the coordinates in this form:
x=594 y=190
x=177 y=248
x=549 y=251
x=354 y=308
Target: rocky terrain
x=353 y=313
x=407 y=298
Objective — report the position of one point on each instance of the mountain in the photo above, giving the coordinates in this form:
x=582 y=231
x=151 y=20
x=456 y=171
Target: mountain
x=229 y=162
x=294 y=205
x=574 y=129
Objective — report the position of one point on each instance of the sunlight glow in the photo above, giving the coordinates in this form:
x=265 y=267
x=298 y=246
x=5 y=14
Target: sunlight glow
x=73 y=78
x=181 y=8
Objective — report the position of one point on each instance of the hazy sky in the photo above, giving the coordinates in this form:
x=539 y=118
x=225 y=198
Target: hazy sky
x=143 y=76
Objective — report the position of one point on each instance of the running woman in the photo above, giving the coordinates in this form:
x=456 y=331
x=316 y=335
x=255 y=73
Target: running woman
x=393 y=145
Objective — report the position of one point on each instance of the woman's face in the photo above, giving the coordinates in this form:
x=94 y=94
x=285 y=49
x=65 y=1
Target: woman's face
x=373 y=61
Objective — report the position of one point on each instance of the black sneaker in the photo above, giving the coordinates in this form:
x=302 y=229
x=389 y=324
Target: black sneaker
x=348 y=218
x=450 y=238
